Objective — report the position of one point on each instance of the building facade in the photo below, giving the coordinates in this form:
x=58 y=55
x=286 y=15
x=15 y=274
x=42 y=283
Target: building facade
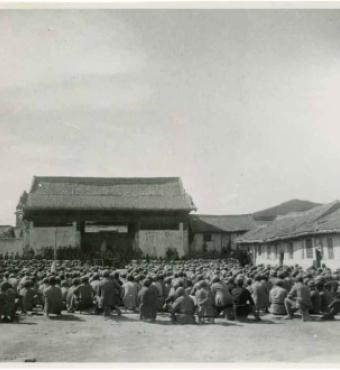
x=107 y=214
x=308 y=239
x=216 y=234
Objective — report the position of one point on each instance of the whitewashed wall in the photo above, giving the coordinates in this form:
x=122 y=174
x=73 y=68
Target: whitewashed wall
x=63 y=236
x=218 y=241
x=155 y=242
x=11 y=246
x=299 y=253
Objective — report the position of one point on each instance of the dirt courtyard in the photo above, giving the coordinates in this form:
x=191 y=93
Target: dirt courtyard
x=78 y=338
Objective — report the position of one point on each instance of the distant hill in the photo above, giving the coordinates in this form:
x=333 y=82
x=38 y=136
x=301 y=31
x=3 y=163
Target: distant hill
x=294 y=205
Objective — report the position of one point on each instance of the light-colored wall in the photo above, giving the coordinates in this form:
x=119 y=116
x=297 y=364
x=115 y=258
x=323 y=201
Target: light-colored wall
x=155 y=242
x=63 y=236
x=11 y=246
x=218 y=241
x=299 y=252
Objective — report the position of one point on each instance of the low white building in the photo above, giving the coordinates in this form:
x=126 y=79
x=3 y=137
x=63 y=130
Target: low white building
x=305 y=238
x=217 y=233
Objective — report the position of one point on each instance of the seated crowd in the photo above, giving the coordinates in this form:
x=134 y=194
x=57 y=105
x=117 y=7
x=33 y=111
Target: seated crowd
x=188 y=291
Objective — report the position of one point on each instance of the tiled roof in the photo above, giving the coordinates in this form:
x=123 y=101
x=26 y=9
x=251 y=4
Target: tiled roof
x=163 y=193
x=325 y=218
x=221 y=223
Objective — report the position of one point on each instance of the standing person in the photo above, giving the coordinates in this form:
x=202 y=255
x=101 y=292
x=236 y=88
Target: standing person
x=204 y=301
x=259 y=294
x=299 y=298
x=183 y=309
x=148 y=302
x=130 y=295
x=53 y=298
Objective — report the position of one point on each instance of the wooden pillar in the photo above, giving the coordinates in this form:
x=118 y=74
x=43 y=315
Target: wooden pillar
x=76 y=234
x=133 y=230
x=184 y=237
x=81 y=230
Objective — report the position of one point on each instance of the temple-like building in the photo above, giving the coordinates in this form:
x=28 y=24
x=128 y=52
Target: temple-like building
x=99 y=214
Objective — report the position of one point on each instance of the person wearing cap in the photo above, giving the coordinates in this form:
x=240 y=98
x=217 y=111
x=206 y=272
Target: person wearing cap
x=107 y=295
x=183 y=308
x=223 y=301
x=84 y=294
x=27 y=297
x=95 y=283
x=259 y=294
x=64 y=291
x=243 y=301
x=277 y=297
x=204 y=301
x=53 y=298
x=130 y=293
x=315 y=298
x=299 y=299
x=148 y=302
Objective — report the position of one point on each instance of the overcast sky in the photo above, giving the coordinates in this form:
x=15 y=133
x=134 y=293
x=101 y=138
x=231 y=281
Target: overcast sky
x=243 y=105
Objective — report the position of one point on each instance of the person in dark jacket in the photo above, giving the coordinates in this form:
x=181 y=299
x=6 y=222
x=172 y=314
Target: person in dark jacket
x=243 y=301
x=148 y=299
x=84 y=293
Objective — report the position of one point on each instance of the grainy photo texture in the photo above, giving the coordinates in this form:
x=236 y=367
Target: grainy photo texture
x=169 y=185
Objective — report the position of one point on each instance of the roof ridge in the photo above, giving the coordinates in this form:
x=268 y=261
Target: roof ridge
x=233 y=215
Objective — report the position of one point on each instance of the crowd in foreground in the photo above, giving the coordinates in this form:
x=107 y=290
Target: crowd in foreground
x=193 y=291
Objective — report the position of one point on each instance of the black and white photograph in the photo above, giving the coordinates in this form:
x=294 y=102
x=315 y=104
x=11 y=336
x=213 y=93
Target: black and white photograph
x=169 y=187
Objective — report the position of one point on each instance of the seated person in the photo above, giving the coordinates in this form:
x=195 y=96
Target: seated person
x=243 y=301
x=333 y=308
x=183 y=308
x=84 y=294
x=53 y=298
x=277 y=297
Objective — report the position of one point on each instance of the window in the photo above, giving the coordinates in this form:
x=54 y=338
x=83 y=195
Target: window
x=207 y=237
x=309 y=248
x=330 y=249
x=259 y=250
x=268 y=251
x=290 y=250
